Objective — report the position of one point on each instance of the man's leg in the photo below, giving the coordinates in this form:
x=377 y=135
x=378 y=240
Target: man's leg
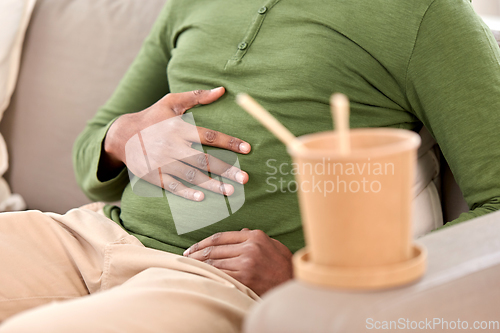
x=155 y=300
x=42 y=259
x=137 y=289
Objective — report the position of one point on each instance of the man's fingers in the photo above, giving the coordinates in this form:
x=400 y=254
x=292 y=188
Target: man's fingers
x=220 y=238
x=209 y=163
x=196 y=177
x=181 y=102
x=213 y=138
x=230 y=266
x=217 y=252
x=214 y=165
x=173 y=185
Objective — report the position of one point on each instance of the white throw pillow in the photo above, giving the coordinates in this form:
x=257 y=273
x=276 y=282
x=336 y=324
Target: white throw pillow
x=14 y=17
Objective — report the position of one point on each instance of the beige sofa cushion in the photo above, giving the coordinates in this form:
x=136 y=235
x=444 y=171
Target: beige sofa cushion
x=75 y=53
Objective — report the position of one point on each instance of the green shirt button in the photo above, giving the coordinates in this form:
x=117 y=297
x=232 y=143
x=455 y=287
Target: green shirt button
x=262 y=10
x=242 y=45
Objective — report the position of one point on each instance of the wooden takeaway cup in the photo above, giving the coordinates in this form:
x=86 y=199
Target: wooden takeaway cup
x=356 y=207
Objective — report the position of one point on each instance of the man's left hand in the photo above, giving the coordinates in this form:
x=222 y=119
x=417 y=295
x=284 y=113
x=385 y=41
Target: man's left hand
x=249 y=256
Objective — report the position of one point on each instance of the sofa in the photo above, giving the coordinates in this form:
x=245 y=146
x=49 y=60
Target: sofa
x=74 y=54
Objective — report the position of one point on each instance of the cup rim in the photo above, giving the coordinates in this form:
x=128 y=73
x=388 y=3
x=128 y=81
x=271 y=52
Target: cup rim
x=409 y=140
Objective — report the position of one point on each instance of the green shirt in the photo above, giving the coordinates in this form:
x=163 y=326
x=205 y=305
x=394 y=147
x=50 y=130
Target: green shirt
x=403 y=64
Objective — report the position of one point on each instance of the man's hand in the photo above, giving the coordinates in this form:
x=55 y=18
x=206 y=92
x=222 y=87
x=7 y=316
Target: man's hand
x=155 y=144
x=249 y=256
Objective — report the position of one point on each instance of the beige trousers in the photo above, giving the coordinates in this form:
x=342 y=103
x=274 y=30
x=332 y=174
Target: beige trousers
x=81 y=272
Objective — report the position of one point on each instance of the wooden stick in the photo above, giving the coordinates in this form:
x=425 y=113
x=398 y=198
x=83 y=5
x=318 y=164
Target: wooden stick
x=268 y=121
x=339 y=104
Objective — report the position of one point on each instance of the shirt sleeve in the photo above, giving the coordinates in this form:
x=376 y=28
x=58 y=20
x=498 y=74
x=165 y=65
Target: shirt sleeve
x=453 y=86
x=144 y=84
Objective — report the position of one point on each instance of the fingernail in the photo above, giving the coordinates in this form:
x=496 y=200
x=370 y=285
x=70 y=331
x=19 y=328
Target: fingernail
x=244 y=147
x=228 y=189
x=186 y=252
x=240 y=177
x=216 y=89
x=197 y=196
